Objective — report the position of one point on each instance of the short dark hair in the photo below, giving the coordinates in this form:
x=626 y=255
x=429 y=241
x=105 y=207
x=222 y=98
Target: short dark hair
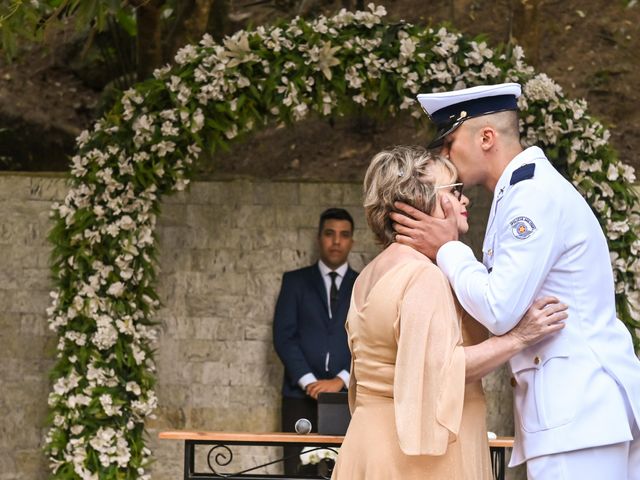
x=334 y=214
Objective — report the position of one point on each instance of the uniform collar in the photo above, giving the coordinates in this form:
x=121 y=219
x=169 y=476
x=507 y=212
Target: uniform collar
x=341 y=270
x=530 y=155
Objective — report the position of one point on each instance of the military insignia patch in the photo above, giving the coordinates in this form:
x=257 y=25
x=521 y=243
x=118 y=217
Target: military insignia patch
x=522 y=227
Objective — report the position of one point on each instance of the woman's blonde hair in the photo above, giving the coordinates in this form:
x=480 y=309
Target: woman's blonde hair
x=405 y=174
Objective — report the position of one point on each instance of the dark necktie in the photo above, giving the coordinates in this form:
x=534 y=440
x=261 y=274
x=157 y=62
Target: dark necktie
x=333 y=293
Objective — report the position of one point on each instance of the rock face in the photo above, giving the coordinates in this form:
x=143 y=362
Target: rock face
x=223 y=248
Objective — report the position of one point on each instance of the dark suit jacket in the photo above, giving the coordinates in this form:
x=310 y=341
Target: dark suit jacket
x=303 y=333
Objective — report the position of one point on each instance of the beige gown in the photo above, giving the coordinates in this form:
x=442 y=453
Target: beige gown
x=413 y=417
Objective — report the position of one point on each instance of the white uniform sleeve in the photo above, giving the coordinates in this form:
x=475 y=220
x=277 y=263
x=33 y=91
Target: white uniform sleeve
x=521 y=258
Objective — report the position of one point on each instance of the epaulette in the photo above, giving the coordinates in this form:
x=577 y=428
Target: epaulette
x=525 y=172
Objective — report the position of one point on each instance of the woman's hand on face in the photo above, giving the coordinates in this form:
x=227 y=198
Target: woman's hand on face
x=544 y=317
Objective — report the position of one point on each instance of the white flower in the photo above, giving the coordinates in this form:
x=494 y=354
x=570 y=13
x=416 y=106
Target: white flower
x=126 y=223
x=113 y=229
x=311 y=456
x=231 y=132
x=106 y=334
x=616 y=229
x=324 y=58
x=181 y=184
x=107 y=405
x=612 y=173
x=489 y=70
x=65 y=384
x=407 y=48
x=144 y=408
x=133 y=387
x=83 y=138
x=198 y=121
x=163 y=147
x=406 y=103
x=186 y=54
x=360 y=98
x=353 y=77
x=76 y=337
x=126 y=326
x=116 y=289
x=541 y=87
x=168 y=129
x=478 y=53
x=74 y=401
x=448 y=44
x=238 y=50
x=628 y=173
x=161 y=72
x=138 y=354
x=372 y=18
x=327 y=104
x=300 y=111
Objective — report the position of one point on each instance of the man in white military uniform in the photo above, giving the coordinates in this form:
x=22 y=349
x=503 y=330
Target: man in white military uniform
x=577 y=393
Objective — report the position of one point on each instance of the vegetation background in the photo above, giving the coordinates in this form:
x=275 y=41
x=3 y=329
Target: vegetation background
x=65 y=61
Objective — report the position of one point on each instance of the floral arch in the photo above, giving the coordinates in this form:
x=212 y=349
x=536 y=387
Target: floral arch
x=103 y=238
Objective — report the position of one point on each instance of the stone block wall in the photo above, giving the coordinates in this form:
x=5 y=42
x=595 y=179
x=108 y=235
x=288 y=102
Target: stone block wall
x=223 y=248
x=26 y=345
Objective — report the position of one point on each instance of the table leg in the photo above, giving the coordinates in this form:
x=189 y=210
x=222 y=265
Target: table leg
x=498 y=462
x=189 y=459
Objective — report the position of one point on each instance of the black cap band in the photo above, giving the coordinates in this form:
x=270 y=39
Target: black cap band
x=448 y=119
x=474 y=108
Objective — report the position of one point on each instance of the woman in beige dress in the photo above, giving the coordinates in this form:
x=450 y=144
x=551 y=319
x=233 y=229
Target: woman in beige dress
x=415 y=394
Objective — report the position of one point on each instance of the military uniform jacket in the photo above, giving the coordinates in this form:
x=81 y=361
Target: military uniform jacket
x=571 y=390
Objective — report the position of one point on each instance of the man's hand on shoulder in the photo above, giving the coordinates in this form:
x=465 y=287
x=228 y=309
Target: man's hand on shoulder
x=422 y=231
x=332 y=385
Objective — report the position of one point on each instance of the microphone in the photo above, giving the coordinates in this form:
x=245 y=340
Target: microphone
x=302 y=426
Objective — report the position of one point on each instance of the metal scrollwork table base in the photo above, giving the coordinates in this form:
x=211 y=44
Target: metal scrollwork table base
x=220 y=455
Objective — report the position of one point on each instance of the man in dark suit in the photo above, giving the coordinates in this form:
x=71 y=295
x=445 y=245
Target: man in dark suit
x=308 y=326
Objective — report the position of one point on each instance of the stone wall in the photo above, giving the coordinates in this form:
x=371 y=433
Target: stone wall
x=26 y=344
x=223 y=248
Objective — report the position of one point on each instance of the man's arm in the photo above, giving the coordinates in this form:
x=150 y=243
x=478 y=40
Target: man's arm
x=525 y=248
x=286 y=336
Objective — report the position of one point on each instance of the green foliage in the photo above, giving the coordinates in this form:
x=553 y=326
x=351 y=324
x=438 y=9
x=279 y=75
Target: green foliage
x=28 y=20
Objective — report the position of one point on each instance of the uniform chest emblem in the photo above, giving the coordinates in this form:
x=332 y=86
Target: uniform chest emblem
x=522 y=227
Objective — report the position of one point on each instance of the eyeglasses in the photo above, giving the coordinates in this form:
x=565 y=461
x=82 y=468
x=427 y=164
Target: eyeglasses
x=456 y=189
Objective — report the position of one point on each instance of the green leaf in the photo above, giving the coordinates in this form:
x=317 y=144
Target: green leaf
x=127 y=20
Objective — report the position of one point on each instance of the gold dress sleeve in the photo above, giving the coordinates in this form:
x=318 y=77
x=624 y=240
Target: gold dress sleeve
x=429 y=379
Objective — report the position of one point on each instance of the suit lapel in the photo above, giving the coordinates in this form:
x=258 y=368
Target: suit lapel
x=318 y=283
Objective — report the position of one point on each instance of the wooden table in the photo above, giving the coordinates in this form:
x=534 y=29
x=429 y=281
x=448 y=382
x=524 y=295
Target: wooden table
x=222 y=455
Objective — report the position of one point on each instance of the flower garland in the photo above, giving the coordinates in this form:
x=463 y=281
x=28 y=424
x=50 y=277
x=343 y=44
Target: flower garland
x=104 y=241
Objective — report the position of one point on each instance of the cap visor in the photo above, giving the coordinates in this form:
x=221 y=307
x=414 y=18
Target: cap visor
x=438 y=141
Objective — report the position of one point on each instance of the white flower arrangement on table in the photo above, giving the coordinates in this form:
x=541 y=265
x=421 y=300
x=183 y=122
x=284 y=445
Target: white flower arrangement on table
x=103 y=238
x=314 y=455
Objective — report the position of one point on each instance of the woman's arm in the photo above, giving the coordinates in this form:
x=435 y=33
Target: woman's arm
x=544 y=317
